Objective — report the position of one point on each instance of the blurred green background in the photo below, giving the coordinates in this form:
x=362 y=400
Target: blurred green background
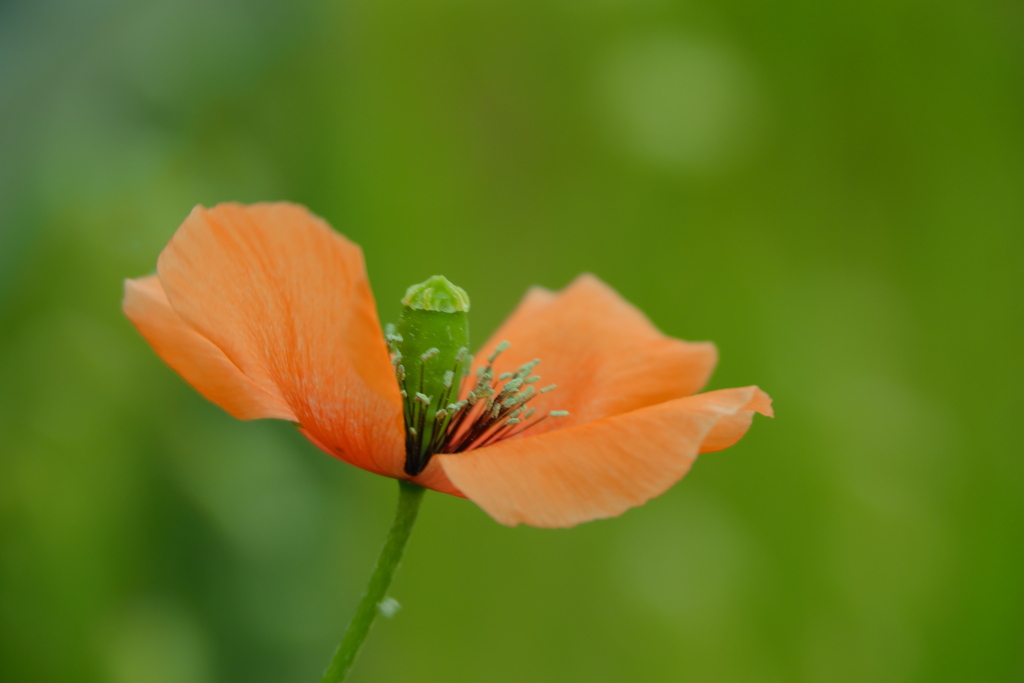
x=832 y=192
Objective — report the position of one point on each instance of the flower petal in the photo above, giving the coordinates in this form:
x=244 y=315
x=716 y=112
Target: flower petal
x=602 y=352
x=287 y=301
x=194 y=357
x=602 y=468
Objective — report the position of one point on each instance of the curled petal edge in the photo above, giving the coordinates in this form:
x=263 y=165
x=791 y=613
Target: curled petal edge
x=198 y=360
x=602 y=468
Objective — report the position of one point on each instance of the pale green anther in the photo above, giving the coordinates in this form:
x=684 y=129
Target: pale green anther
x=531 y=380
x=529 y=413
x=512 y=421
x=550 y=387
x=434 y=332
x=527 y=368
x=501 y=347
x=514 y=384
x=436 y=294
x=505 y=375
x=559 y=413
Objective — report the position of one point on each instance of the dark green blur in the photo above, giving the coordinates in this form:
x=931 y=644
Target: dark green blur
x=832 y=192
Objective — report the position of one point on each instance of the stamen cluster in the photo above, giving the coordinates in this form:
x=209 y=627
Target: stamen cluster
x=495 y=408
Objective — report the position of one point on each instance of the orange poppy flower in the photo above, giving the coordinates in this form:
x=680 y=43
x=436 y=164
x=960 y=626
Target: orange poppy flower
x=268 y=313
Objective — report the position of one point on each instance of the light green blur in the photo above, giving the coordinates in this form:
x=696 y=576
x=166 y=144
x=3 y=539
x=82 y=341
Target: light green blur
x=831 y=192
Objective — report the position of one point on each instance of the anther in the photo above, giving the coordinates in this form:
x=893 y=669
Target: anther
x=422 y=398
x=501 y=347
x=527 y=368
x=559 y=413
x=550 y=387
x=449 y=377
x=429 y=353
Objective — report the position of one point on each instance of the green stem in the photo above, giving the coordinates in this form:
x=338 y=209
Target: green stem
x=409 y=498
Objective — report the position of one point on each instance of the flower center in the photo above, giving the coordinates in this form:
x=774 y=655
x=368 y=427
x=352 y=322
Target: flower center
x=431 y=358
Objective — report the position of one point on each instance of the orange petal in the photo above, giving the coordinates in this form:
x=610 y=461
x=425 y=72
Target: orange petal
x=194 y=357
x=287 y=301
x=602 y=352
x=602 y=468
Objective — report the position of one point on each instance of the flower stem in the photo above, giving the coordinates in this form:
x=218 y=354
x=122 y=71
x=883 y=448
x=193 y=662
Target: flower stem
x=409 y=498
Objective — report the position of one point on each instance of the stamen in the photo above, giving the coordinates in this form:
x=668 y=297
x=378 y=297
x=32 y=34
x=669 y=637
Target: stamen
x=493 y=408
